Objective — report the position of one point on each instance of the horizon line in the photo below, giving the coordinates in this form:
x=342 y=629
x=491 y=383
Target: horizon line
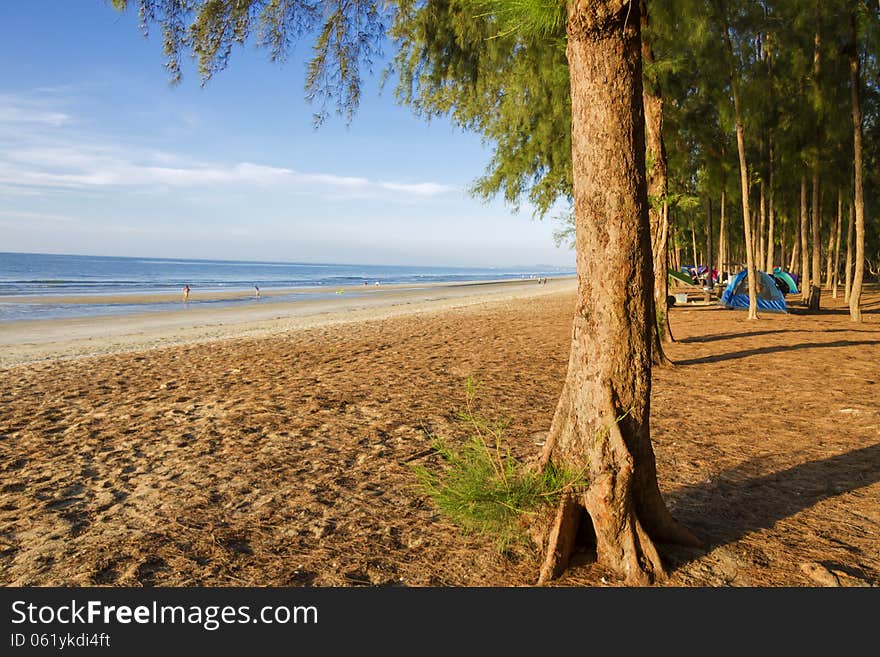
x=288 y=262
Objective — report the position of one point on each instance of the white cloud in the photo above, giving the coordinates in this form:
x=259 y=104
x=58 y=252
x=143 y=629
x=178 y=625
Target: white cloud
x=13 y=190
x=12 y=114
x=60 y=157
x=94 y=166
x=36 y=216
x=35 y=159
x=419 y=189
x=19 y=110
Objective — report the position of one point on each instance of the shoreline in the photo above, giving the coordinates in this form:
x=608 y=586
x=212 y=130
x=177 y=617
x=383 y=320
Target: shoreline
x=239 y=294
x=31 y=341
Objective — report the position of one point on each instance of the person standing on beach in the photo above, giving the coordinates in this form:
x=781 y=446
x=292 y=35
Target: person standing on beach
x=185 y=293
x=256 y=291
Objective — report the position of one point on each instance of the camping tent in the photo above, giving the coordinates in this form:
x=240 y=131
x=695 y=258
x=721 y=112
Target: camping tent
x=736 y=294
x=677 y=278
x=788 y=278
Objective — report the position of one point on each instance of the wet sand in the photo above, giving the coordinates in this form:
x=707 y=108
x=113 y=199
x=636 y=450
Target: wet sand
x=39 y=340
x=198 y=295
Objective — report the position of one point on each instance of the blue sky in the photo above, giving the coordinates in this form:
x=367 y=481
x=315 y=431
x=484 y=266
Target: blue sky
x=100 y=155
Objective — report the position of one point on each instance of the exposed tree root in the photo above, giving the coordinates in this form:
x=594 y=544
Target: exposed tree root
x=660 y=359
x=621 y=542
x=560 y=540
x=625 y=507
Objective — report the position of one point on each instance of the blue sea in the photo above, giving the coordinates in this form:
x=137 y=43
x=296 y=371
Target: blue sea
x=45 y=275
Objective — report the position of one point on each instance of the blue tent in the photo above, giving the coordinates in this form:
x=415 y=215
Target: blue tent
x=790 y=282
x=736 y=294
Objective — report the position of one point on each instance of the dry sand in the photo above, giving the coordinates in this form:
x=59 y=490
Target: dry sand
x=282 y=458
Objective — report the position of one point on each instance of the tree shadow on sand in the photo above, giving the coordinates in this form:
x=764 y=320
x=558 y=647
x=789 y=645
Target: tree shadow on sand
x=868 y=308
x=750 y=334
x=831 y=312
x=739 y=503
x=745 y=353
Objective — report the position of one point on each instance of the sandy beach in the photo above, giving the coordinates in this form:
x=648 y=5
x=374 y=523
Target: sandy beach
x=36 y=340
x=276 y=451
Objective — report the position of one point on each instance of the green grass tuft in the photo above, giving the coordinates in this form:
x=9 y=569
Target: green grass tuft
x=483 y=488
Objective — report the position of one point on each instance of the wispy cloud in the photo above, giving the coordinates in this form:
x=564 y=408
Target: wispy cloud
x=50 y=160
x=23 y=110
x=89 y=168
x=40 y=222
x=419 y=189
x=36 y=216
x=14 y=190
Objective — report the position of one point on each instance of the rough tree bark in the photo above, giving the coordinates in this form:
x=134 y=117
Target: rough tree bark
x=855 y=294
x=602 y=420
x=658 y=211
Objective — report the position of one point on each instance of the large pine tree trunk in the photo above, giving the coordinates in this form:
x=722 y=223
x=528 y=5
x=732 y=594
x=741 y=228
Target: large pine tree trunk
x=658 y=211
x=795 y=248
x=602 y=420
x=855 y=294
